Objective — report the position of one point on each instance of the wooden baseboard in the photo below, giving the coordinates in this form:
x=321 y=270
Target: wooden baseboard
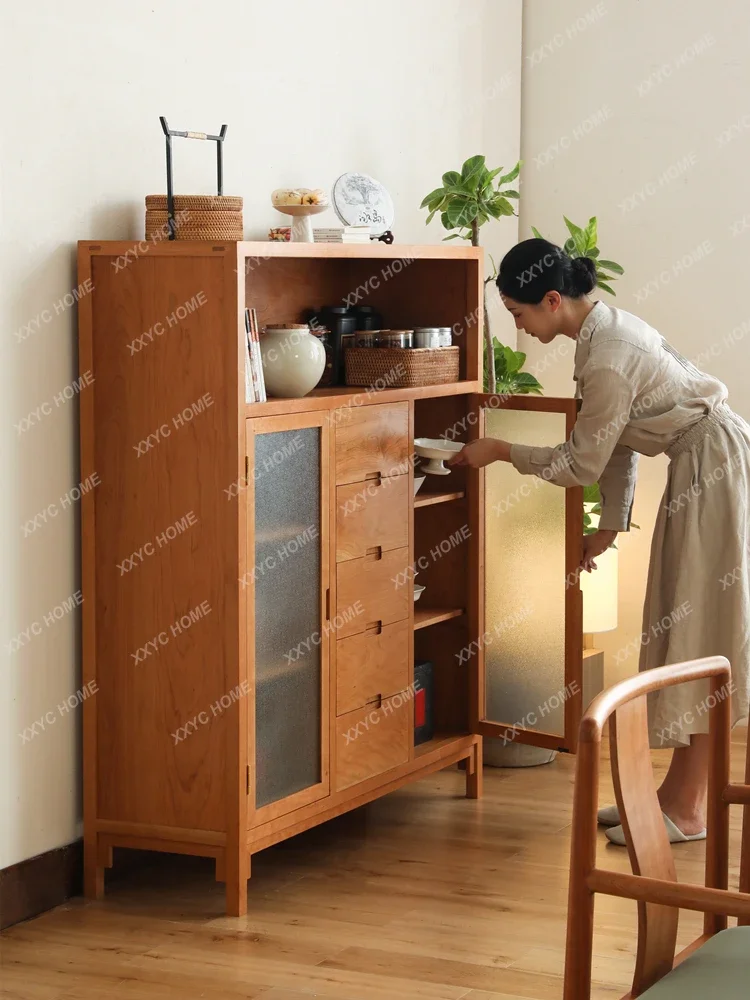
x=38 y=884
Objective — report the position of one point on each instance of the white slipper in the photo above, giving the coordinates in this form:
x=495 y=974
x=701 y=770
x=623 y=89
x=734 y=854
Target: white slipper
x=616 y=834
x=608 y=816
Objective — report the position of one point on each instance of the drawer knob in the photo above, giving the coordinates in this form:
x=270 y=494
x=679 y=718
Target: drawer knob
x=374 y=628
x=374 y=553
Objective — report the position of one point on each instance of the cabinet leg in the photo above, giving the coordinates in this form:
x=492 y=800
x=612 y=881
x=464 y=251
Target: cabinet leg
x=474 y=773
x=237 y=875
x=93 y=871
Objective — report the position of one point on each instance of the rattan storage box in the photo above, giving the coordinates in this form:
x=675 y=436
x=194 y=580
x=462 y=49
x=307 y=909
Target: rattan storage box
x=197 y=217
x=401 y=367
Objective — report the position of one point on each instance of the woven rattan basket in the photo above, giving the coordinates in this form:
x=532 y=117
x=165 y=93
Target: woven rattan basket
x=401 y=367
x=197 y=217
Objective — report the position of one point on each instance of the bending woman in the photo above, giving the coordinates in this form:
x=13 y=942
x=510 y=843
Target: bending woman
x=639 y=396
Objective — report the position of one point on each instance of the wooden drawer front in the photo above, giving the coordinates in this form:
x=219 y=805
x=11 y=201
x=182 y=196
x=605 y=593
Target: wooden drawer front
x=373 y=740
x=372 y=441
x=372 y=515
x=367 y=592
x=371 y=666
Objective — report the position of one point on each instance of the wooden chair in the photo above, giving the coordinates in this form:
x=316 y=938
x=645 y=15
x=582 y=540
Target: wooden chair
x=717 y=964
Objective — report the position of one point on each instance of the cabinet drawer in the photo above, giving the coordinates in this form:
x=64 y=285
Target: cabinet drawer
x=373 y=582
x=371 y=666
x=373 y=740
x=372 y=441
x=371 y=515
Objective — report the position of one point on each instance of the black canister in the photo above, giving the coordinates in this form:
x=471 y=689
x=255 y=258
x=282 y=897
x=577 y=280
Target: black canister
x=341 y=322
x=367 y=318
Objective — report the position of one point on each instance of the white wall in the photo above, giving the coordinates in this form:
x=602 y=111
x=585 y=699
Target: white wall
x=403 y=91
x=674 y=77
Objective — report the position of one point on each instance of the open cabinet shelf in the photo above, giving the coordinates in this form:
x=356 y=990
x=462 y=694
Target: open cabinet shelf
x=423 y=617
x=427 y=499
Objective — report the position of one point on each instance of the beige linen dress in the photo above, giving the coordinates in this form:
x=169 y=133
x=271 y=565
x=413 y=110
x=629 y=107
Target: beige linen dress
x=639 y=396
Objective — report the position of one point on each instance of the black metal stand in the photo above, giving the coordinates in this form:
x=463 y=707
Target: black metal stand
x=218 y=139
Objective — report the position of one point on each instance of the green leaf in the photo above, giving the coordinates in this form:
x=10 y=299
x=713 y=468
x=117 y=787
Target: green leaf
x=437 y=193
x=593 y=253
x=579 y=237
x=512 y=361
x=431 y=216
x=452 y=179
x=506 y=178
x=461 y=212
x=536 y=233
x=601 y=284
x=611 y=266
x=591 y=493
x=590 y=233
x=493 y=173
x=528 y=382
x=510 y=193
x=504 y=206
x=634 y=525
x=447 y=224
x=453 y=236
x=570 y=248
x=472 y=168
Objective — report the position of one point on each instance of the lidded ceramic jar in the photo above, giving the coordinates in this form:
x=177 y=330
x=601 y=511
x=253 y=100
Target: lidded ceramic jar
x=293 y=360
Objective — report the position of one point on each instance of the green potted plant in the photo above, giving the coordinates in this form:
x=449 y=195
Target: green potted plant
x=582 y=243
x=466 y=201
x=509 y=379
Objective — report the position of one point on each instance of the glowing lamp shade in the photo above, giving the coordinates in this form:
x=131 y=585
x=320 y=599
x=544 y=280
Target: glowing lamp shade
x=599 y=588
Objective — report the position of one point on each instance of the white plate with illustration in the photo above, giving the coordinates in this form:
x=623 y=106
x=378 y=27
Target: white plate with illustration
x=360 y=200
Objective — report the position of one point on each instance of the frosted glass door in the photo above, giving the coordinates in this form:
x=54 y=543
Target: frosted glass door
x=289 y=635
x=532 y=648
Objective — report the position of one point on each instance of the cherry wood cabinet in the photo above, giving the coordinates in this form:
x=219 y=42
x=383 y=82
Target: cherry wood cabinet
x=255 y=666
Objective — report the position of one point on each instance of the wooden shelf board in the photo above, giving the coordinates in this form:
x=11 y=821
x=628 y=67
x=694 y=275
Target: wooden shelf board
x=348 y=395
x=438 y=740
x=427 y=499
x=263 y=251
x=430 y=616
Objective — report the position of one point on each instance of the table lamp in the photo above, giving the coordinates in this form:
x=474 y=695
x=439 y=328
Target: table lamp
x=599 y=589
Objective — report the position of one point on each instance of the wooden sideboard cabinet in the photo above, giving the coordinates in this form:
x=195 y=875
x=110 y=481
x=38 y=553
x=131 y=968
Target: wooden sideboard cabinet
x=248 y=568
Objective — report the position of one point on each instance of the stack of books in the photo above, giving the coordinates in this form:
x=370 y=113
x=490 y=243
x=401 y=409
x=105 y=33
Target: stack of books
x=255 y=384
x=343 y=234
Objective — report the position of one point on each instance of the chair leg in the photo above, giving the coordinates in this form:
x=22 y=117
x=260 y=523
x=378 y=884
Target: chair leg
x=580 y=938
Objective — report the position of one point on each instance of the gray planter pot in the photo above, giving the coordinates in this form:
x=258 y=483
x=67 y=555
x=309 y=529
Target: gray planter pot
x=497 y=753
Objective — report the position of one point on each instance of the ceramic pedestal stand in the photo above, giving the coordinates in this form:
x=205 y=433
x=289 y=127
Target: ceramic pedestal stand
x=302 y=230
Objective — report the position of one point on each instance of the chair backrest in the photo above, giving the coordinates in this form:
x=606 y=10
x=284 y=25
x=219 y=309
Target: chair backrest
x=654 y=883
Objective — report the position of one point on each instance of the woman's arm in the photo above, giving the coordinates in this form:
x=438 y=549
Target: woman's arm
x=483 y=451
x=606 y=399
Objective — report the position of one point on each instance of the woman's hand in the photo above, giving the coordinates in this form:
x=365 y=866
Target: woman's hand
x=481 y=452
x=594 y=545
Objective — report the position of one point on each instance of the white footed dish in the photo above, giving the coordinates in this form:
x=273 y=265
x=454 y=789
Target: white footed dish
x=437 y=450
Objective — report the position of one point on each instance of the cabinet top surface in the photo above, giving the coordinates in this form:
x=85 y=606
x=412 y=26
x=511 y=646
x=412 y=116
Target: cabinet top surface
x=269 y=249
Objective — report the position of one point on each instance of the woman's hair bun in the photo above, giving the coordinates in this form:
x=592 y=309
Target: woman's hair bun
x=584 y=275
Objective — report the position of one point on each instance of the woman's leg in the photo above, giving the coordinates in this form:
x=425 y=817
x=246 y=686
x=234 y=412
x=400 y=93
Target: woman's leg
x=682 y=795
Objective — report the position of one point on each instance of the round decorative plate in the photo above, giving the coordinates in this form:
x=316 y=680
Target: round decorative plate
x=360 y=200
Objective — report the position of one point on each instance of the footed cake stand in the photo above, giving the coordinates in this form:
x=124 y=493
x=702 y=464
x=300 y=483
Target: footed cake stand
x=302 y=230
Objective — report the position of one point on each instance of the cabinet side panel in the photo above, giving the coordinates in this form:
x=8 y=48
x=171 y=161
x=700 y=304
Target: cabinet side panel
x=166 y=419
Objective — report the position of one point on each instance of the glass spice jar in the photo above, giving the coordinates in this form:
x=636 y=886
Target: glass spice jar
x=396 y=338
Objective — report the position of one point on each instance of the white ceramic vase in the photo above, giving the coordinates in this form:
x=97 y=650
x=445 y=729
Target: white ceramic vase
x=293 y=361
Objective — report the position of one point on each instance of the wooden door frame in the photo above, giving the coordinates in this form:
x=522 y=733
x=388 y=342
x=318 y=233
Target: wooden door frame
x=573 y=598
x=268 y=425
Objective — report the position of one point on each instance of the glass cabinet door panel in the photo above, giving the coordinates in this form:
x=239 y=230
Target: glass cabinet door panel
x=288 y=625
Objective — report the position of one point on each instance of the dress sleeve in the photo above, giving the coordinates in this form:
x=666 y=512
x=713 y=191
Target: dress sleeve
x=606 y=399
x=617 y=488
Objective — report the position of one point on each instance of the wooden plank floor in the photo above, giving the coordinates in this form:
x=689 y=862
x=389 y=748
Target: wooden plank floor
x=424 y=895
